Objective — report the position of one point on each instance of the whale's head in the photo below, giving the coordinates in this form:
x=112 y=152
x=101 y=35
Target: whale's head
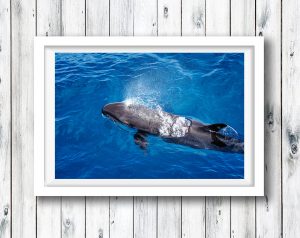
x=116 y=111
x=130 y=114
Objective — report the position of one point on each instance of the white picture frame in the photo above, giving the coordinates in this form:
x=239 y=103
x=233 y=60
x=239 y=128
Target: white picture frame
x=45 y=183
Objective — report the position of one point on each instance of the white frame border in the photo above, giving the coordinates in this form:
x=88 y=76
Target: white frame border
x=42 y=188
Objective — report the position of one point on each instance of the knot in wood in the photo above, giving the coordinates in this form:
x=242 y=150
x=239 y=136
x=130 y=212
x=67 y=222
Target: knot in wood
x=294 y=148
x=5 y=210
x=68 y=222
x=166 y=12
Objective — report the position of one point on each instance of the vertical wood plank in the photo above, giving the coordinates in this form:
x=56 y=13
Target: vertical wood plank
x=218 y=208
x=169 y=17
x=193 y=208
x=23 y=200
x=97 y=208
x=145 y=217
x=193 y=18
x=73 y=208
x=121 y=217
x=169 y=208
x=145 y=17
x=121 y=17
x=169 y=217
x=268 y=208
x=97 y=217
x=290 y=117
x=145 y=208
x=97 y=18
x=242 y=208
x=73 y=217
x=73 y=17
x=121 y=208
x=193 y=217
x=218 y=18
x=48 y=208
x=5 y=120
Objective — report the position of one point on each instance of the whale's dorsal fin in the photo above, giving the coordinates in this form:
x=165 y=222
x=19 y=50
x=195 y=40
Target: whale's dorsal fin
x=215 y=127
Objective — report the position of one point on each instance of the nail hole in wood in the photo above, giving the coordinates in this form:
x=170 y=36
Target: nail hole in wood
x=294 y=148
x=292 y=54
x=5 y=210
x=260 y=33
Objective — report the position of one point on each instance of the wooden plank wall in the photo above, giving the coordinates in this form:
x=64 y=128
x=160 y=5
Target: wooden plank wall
x=274 y=215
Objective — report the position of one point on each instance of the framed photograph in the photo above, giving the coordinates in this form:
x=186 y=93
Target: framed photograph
x=149 y=116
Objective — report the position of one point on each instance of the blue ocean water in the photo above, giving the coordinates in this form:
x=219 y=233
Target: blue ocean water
x=208 y=87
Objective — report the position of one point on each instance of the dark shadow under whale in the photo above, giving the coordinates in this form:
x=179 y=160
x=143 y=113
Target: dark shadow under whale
x=171 y=128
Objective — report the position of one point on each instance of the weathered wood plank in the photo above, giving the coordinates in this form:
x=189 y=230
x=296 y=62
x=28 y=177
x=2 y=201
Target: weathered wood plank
x=218 y=18
x=169 y=17
x=121 y=217
x=242 y=208
x=97 y=217
x=218 y=208
x=193 y=18
x=48 y=208
x=121 y=208
x=268 y=208
x=169 y=208
x=169 y=217
x=121 y=17
x=193 y=208
x=23 y=200
x=73 y=209
x=5 y=120
x=145 y=18
x=73 y=17
x=73 y=217
x=97 y=208
x=48 y=217
x=145 y=208
x=97 y=18
x=290 y=117
x=193 y=217
x=145 y=217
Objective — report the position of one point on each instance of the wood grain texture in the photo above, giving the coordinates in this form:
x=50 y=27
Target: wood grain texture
x=193 y=208
x=169 y=208
x=242 y=208
x=97 y=217
x=48 y=23
x=169 y=217
x=97 y=17
x=145 y=208
x=193 y=18
x=121 y=17
x=218 y=208
x=169 y=17
x=5 y=120
x=268 y=208
x=121 y=217
x=73 y=217
x=97 y=208
x=218 y=18
x=23 y=200
x=193 y=217
x=145 y=217
x=73 y=208
x=145 y=17
x=73 y=17
x=290 y=117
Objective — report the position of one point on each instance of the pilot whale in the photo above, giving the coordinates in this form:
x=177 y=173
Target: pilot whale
x=171 y=128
